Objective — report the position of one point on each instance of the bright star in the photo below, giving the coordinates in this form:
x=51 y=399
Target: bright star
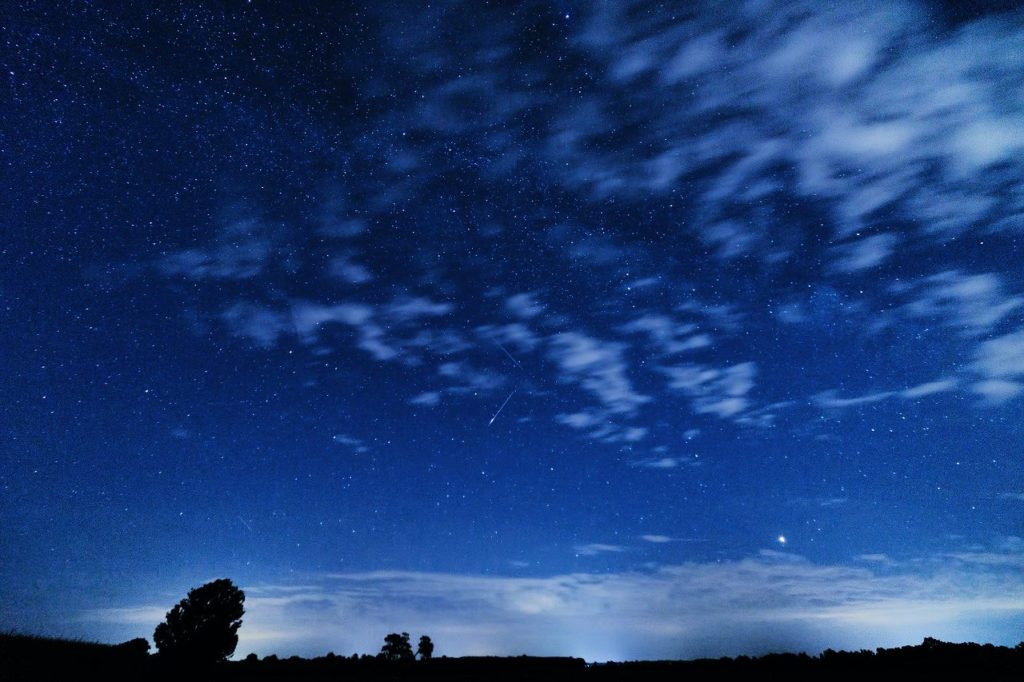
x=782 y=539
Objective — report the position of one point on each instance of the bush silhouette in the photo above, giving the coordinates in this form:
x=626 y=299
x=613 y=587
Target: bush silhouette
x=203 y=627
x=137 y=648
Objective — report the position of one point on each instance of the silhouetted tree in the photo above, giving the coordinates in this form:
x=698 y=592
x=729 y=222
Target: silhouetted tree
x=425 y=649
x=397 y=648
x=203 y=627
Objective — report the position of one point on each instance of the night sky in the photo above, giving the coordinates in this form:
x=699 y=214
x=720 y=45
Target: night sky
x=614 y=330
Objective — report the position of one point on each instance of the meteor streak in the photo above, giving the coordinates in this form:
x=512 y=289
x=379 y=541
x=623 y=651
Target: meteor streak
x=502 y=407
x=503 y=350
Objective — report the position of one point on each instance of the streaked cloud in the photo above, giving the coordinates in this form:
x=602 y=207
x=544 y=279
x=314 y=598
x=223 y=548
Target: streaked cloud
x=524 y=306
x=865 y=253
x=598 y=367
x=428 y=398
x=241 y=250
x=1001 y=360
x=830 y=399
x=596 y=548
x=772 y=601
x=664 y=462
x=718 y=391
x=972 y=303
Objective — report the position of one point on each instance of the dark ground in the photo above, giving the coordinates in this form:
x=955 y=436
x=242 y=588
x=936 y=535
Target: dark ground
x=25 y=657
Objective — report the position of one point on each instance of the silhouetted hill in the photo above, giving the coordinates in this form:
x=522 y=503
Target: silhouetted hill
x=25 y=657
x=28 y=657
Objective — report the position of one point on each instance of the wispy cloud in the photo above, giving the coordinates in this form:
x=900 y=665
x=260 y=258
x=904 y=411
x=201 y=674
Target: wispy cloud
x=997 y=391
x=427 y=398
x=346 y=269
x=972 y=303
x=260 y=324
x=668 y=336
x=721 y=392
x=598 y=367
x=774 y=601
x=524 y=306
x=865 y=253
x=241 y=250
x=867 y=113
x=411 y=309
x=355 y=444
x=514 y=337
x=310 y=318
x=468 y=379
x=664 y=462
x=823 y=502
x=601 y=425
x=596 y=548
x=829 y=399
x=1001 y=360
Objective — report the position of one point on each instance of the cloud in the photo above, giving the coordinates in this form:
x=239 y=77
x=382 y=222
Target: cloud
x=997 y=391
x=598 y=367
x=241 y=250
x=769 y=602
x=721 y=392
x=146 y=616
x=596 y=548
x=657 y=539
x=865 y=253
x=601 y=426
x=823 y=502
x=260 y=324
x=349 y=271
x=309 y=318
x=469 y=379
x=667 y=335
x=1001 y=360
x=412 y=309
x=929 y=388
x=383 y=331
x=523 y=306
x=884 y=117
x=429 y=398
x=972 y=303
x=1011 y=496
x=828 y=399
x=1002 y=356
x=345 y=228
x=442 y=342
x=664 y=462
x=515 y=337
x=595 y=251
x=356 y=444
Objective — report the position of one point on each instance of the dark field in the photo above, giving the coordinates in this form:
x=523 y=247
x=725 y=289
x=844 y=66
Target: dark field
x=25 y=657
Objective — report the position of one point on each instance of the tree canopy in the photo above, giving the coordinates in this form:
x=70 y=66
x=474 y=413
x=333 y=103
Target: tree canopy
x=425 y=649
x=397 y=648
x=203 y=627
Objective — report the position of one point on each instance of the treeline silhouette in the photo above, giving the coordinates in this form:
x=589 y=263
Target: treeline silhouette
x=200 y=633
x=24 y=657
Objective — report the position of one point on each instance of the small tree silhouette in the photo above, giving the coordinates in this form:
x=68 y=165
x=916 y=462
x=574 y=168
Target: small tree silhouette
x=397 y=648
x=425 y=649
x=203 y=627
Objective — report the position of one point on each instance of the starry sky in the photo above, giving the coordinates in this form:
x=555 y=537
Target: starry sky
x=605 y=329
